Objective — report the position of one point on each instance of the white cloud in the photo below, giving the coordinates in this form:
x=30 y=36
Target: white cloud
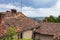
x=57 y=4
x=28 y=11
x=32 y=12
x=8 y=6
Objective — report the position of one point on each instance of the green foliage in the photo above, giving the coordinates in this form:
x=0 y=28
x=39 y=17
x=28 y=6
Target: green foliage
x=25 y=39
x=58 y=19
x=49 y=19
x=52 y=19
x=11 y=31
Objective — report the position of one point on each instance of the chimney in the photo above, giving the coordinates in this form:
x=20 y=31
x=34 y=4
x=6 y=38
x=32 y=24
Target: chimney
x=2 y=17
x=14 y=12
x=7 y=11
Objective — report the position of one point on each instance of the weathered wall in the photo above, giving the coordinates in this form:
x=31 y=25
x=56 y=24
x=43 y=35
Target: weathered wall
x=43 y=37
x=15 y=37
x=27 y=34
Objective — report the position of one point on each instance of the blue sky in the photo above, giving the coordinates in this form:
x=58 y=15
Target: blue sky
x=33 y=8
x=39 y=3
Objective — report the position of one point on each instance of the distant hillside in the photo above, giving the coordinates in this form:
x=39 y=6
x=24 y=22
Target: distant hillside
x=38 y=19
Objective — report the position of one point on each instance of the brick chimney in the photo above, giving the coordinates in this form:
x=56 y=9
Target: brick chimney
x=2 y=17
x=14 y=12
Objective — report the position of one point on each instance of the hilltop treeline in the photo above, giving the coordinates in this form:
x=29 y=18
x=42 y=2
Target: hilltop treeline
x=53 y=19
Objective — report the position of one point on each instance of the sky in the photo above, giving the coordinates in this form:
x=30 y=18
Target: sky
x=32 y=8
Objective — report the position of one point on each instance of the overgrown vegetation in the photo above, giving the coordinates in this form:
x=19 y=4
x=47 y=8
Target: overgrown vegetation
x=9 y=34
x=11 y=31
x=12 y=35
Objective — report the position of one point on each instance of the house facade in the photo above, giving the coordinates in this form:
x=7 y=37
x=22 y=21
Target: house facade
x=43 y=37
x=48 y=31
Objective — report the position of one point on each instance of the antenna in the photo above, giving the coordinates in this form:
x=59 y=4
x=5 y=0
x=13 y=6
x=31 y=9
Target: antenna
x=21 y=5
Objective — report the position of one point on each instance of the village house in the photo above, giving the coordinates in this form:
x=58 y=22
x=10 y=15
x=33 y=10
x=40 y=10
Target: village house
x=23 y=25
x=26 y=27
x=47 y=31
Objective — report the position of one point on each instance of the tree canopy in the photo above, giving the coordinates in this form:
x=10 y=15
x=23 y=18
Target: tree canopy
x=52 y=19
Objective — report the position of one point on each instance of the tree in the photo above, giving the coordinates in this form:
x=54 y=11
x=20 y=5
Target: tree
x=58 y=19
x=51 y=19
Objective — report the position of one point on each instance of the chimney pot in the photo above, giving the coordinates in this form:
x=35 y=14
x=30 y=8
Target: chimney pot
x=13 y=10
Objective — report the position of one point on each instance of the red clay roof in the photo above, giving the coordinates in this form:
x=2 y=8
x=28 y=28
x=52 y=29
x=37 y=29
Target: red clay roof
x=49 y=28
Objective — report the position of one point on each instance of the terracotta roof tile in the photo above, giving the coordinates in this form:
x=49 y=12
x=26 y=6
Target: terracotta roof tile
x=49 y=28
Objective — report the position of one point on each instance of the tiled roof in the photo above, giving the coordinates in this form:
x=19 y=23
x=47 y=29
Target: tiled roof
x=19 y=21
x=49 y=28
